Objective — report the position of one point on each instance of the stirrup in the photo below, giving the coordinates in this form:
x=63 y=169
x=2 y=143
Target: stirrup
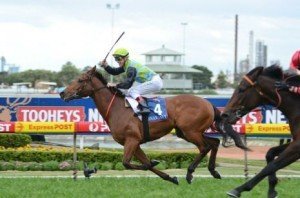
x=143 y=109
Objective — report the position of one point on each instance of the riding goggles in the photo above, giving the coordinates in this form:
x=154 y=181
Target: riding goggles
x=118 y=58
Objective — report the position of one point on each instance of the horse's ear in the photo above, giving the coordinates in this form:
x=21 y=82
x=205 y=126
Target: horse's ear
x=254 y=73
x=259 y=70
x=94 y=68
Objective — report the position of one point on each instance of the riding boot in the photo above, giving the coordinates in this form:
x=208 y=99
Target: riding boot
x=143 y=107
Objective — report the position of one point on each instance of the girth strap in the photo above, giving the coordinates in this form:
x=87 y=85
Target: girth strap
x=146 y=128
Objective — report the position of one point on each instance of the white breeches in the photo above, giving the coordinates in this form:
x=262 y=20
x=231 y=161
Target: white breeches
x=154 y=85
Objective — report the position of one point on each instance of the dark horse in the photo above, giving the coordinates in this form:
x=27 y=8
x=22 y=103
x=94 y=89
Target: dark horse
x=191 y=116
x=258 y=88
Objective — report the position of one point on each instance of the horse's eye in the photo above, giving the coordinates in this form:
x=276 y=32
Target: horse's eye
x=80 y=80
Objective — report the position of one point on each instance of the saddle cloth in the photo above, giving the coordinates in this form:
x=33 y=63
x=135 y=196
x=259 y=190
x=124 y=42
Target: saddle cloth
x=157 y=105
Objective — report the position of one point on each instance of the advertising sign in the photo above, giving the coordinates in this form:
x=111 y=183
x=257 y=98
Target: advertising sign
x=42 y=113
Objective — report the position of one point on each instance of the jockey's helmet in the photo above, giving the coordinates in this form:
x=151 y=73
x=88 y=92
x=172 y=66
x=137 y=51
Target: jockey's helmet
x=121 y=52
x=295 y=62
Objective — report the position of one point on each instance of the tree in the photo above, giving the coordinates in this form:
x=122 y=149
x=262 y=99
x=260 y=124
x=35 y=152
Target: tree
x=68 y=73
x=204 y=77
x=222 y=81
x=31 y=76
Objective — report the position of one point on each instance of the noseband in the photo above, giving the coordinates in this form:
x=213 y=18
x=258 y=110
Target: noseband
x=253 y=84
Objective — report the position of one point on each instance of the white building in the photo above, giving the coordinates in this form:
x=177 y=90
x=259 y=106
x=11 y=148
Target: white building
x=167 y=63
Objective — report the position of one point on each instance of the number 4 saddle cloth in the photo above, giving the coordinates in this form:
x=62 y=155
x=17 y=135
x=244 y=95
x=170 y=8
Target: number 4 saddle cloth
x=157 y=105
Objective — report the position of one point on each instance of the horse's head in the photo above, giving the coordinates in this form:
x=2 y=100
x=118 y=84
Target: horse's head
x=83 y=86
x=256 y=88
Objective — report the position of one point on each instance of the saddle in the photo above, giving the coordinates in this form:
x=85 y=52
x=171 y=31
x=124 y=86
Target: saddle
x=158 y=112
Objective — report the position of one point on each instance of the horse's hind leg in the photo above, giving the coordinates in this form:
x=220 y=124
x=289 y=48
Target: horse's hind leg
x=195 y=163
x=270 y=156
x=214 y=143
x=210 y=144
x=141 y=156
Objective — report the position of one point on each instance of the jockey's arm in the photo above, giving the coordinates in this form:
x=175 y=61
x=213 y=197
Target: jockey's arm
x=114 y=70
x=131 y=74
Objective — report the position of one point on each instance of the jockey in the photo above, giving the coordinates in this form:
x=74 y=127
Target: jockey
x=295 y=67
x=295 y=62
x=147 y=80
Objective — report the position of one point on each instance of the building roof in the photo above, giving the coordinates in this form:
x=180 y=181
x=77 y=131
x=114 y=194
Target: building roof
x=173 y=69
x=162 y=51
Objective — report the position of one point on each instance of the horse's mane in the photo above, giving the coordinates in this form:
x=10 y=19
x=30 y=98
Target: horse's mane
x=100 y=77
x=104 y=81
x=273 y=71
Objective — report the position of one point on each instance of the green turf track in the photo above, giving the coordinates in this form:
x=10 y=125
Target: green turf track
x=135 y=187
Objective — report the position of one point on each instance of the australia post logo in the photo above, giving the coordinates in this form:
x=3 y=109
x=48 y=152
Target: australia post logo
x=50 y=114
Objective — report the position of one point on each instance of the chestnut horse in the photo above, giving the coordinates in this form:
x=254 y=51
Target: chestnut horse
x=191 y=116
x=258 y=88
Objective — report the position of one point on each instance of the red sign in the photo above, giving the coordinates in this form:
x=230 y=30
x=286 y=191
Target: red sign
x=252 y=117
x=7 y=127
x=91 y=127
x=50 y=114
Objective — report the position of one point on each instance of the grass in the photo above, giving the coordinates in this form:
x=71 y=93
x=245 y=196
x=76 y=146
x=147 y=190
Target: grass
x=135 y=187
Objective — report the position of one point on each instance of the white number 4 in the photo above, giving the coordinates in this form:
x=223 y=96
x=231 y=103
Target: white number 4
x=157 y=109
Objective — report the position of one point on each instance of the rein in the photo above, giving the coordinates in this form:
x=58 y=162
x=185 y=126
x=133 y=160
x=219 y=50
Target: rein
x=253 y=84
x=109 y=106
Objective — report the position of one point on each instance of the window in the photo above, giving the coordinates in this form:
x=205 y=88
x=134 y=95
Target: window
x=148 y=59
x=169 y=59
x=177 y=76
x=156 y=58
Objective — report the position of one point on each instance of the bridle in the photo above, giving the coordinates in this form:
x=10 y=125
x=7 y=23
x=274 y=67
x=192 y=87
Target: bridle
x=94 y=90
x=253 y=84
x=89 y=78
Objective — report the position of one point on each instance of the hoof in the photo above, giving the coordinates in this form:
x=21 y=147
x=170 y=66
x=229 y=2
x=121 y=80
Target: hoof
x=175 y=180
x=154 y=163
x=242 y=146
x=216 y=175
x=234 y=193
x=189 y=178
x=272 y=194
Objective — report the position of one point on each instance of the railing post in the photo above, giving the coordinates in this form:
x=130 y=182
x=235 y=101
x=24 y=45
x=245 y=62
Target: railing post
x=74 y=156
x=246 y=159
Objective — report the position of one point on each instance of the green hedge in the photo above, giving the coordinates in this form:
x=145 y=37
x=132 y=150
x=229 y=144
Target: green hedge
x=14 y=140
x=103 y=160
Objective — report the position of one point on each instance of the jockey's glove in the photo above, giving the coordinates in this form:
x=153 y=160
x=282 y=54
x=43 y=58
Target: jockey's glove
x=282 y=85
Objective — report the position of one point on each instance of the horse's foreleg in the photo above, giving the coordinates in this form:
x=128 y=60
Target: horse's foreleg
x=288 y=156
x=270 y=156
x=130 y=147
x=141 y=156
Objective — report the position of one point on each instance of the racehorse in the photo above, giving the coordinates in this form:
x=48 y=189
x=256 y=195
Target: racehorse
x=190 y=115
x=255 y=89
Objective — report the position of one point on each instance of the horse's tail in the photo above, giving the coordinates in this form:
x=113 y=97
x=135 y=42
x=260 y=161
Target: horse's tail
x=226 y=130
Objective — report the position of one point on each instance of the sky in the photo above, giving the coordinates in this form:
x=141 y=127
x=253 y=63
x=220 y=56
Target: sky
x=45 y=34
